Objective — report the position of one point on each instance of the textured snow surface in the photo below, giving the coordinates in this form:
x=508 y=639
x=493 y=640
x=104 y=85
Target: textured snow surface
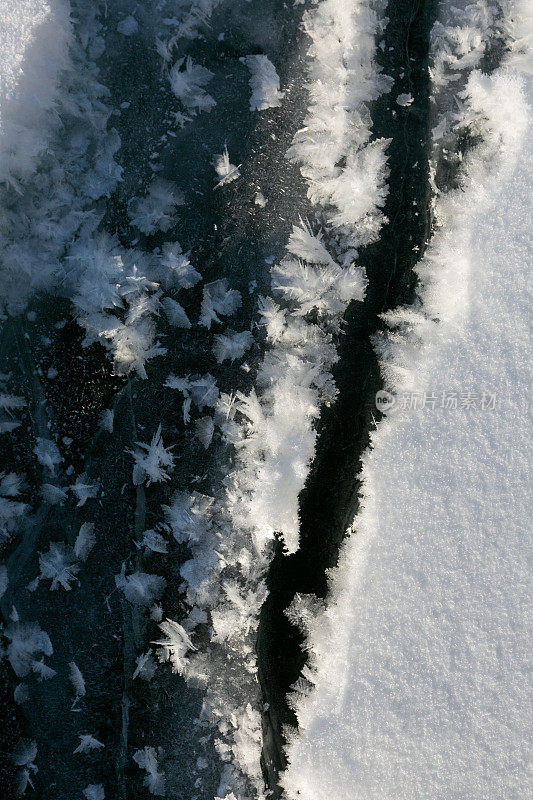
x=421 y=658
x=28 y=77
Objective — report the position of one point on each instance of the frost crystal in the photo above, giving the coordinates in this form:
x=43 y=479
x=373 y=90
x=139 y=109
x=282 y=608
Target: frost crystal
x=94 y=792
x=128 y=26
x=87 y=743
x=147 y=760
x=152 y=462
x=264 y=82
x=47 y=453
x=84 y=541
x=175 y=313
x=218 y=299
x=53 y=494
x=59 y=565
x=204 y=430
x=77 y=680
x=26 y=641
x=187 y=81
x=4 y=580
x=155 y=542
x=175 y=647
x=226 y=171
x=83 y=491
x=231 y=346
x=176 y=269
x=140 y=588
x=23 y=756
x=155 y=211
x=11 y=511
x=201 y=391
x=146 y=666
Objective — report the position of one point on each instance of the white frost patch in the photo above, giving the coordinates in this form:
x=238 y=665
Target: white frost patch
x=226 y=171
x=188 y=82
x=405 y=100
x=128 y=26
x=155 y=212
x=147 y=759
x=264 y=83
x=230 y=346
x=87 y=743
x=420 y=659
x=140 y=588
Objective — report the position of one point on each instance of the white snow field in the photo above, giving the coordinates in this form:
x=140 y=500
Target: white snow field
x=420 y=662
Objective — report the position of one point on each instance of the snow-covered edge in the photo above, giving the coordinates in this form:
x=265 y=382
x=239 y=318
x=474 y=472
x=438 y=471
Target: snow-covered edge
x=487 y=103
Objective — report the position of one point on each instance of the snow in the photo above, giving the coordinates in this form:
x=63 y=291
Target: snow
x=51 y=115
x=34 y=39
x=420 y=661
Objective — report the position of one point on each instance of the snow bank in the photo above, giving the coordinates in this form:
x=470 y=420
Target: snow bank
x=419 y=661
x=34 y=42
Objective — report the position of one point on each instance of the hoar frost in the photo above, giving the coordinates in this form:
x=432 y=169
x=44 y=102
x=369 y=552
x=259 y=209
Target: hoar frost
x=264 y=82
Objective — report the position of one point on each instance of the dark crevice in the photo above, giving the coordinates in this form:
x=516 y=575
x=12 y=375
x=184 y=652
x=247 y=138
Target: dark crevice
x=329 y=500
